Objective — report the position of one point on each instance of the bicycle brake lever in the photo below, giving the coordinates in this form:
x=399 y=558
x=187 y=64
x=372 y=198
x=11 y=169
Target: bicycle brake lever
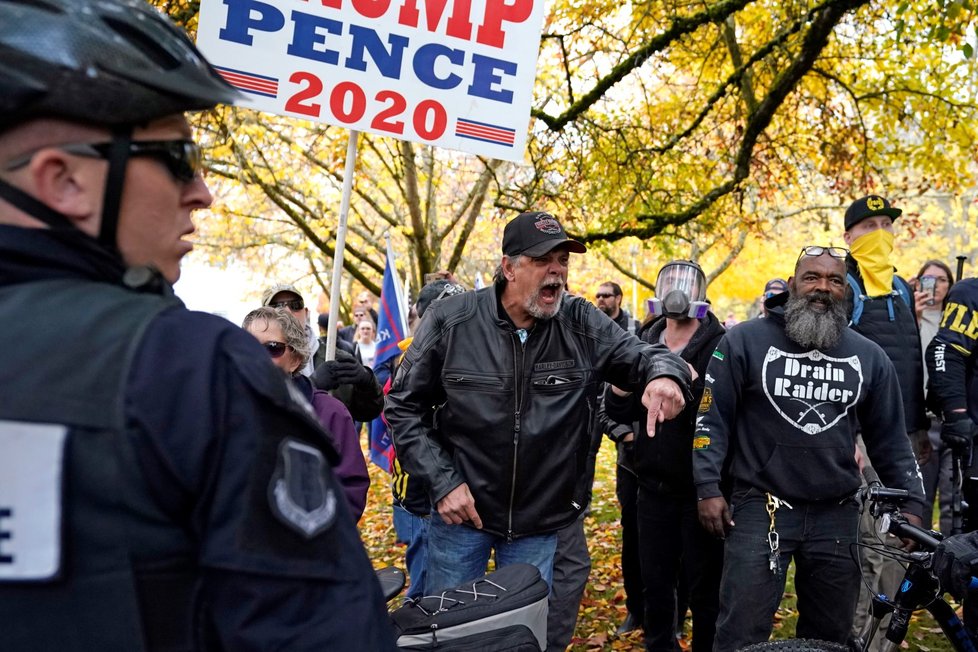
x=884 y=523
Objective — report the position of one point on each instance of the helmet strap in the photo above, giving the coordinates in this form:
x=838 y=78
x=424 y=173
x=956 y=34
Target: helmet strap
x=34 y=207
x=118 y=158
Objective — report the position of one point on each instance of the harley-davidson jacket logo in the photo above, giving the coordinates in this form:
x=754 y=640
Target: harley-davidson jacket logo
x=811 y=391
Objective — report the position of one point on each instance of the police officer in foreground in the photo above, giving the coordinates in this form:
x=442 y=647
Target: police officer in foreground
x=162 y=487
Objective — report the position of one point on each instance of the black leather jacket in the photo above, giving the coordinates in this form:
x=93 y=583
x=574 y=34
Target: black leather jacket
x=472 y=403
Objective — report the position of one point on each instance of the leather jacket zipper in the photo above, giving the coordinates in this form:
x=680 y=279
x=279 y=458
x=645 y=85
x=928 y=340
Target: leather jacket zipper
x=518 y=354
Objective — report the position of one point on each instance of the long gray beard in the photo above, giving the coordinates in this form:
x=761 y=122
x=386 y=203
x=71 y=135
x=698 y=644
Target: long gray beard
x=813 y=329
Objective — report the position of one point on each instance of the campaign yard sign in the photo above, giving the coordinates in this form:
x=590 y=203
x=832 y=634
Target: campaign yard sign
x=451 y=73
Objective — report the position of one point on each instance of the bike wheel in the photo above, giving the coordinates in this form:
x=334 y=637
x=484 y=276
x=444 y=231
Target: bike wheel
x=796 y=645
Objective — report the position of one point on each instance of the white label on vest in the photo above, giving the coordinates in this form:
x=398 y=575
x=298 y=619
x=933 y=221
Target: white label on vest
x=30 y=499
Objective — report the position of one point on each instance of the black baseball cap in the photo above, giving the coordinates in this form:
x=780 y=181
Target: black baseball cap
x=535 y=234
x=869 y=206
x=775 y=286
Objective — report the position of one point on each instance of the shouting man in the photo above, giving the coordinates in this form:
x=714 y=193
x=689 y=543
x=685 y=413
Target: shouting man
x=494 y=405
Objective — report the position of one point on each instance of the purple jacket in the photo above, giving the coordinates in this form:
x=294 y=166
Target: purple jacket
x=352 y=469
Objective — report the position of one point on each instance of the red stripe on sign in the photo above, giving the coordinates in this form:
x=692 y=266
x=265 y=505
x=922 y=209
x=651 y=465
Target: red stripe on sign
x=483 y=131
x=248 y=82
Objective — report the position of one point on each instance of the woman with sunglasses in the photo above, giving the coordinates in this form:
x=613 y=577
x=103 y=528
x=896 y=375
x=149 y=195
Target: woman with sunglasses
x=284 y=338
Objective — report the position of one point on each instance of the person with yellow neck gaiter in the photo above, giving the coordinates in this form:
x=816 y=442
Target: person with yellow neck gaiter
x=872 y=252
x=886 y=316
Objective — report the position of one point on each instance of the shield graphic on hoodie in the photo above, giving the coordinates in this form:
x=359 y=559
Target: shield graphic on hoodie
x=811 y=391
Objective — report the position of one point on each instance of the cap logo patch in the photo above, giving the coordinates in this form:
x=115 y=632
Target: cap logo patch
x=548 y=224
x=875 y=203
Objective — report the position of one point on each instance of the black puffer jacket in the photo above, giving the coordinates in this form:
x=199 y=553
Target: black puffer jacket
x=899 y=338
x=664 y=463
x=471 y=403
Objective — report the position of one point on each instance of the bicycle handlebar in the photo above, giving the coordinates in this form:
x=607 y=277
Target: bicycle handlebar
x=921 y=587
x=900 y=527
x=886 y=503
x=879 y=492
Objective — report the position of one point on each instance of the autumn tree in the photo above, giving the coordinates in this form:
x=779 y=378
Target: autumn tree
x=686 y=127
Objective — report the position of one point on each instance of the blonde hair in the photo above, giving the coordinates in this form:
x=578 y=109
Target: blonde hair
x=292 y=330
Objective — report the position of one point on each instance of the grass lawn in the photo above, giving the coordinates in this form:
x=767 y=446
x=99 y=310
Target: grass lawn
x=603 y=606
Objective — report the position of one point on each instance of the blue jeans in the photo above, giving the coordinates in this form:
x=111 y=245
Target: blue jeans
x=414 y=530
x=818 y=537
x=459 y=553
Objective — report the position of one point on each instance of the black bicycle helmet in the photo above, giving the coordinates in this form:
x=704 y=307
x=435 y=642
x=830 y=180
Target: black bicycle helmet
x=105 y=62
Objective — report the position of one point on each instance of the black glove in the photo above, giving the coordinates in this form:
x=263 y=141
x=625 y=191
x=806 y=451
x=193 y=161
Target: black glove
x=333 y=373
x=952 y=563
x=957 y=432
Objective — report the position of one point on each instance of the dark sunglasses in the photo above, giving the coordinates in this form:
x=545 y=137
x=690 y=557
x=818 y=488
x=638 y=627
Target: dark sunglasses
x=813 y=250
x=295 y=305
x=603 y=295
x=276 y=349
x=181 y=157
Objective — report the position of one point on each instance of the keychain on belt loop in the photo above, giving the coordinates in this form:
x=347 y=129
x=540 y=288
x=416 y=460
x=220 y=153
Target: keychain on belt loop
x=773 y=540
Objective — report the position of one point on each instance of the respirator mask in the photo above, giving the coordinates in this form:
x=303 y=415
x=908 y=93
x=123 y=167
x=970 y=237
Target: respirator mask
x=680 y=291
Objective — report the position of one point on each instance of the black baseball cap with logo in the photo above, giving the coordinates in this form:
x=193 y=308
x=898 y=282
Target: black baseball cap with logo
x=535 y=234
x=869 y=206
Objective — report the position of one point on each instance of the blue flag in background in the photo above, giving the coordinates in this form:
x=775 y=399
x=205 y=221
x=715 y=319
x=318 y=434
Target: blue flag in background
x=391 y=329
x=391 y=318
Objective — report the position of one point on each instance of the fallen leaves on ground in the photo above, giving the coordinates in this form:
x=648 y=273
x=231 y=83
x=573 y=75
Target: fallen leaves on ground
x=603 y=605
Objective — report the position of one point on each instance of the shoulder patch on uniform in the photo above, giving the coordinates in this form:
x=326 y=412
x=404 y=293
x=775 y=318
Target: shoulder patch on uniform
x=298 y=493
x=707 y=400
x=699 y=443
x=718 y=355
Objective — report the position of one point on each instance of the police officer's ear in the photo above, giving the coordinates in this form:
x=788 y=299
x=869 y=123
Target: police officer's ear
x=71 y=185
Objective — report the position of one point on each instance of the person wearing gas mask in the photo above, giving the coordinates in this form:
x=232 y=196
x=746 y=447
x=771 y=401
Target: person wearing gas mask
x=663 y=466
x=881 y=308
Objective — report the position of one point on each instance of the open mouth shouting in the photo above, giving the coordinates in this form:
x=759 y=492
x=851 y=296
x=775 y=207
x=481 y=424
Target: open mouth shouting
x=550 y=291
x=545 y=302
